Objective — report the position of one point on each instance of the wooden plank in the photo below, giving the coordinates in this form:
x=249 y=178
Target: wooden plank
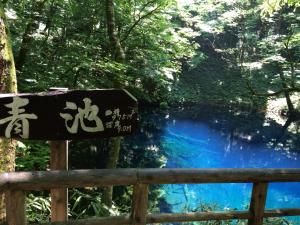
x=257 y=205
x=282 y=212
x=114 y=220
x=46 y=180
x=160 y=218
x=179 y=217
x=139 y=204
x=185 y=176
x=67 y=115
x=197 y=216
x=15 y=207
x=59 y=197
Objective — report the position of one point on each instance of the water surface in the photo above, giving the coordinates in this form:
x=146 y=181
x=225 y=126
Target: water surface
x=214 y=142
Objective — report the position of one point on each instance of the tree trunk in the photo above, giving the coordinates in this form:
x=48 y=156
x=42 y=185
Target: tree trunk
x=287 y=94
x=8 y=84
x=118 y=55
x=112 y=160
x=27 y=38
x=116 y=47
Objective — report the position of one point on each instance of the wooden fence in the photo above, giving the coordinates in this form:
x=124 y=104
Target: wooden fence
x=15 y=184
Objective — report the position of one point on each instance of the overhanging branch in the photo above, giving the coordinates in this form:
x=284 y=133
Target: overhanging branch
x=139 y=20
x=276 y=93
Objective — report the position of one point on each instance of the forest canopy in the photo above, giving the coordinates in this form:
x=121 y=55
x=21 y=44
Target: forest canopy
x=75 y=44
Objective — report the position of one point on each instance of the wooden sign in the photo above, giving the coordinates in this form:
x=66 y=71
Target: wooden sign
x=67 y=115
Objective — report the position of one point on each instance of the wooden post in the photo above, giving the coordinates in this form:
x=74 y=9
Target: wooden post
x=15 y=207
x=59 y=197
x=258 y=202
x=139 y=204
x=59 y=161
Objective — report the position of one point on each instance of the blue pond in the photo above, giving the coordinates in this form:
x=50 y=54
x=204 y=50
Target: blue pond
x=205 y=137
x=212 y=143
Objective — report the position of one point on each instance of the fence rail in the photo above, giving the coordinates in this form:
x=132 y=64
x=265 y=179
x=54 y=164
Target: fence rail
x=15 y=184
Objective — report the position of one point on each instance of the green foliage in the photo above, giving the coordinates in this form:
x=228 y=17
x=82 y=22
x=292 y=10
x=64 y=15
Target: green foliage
x=87 y=203
x=271 y=6
x=163 y=105
x=38 y=208
x=67 y=45
x=32 y=155
x=239 y=47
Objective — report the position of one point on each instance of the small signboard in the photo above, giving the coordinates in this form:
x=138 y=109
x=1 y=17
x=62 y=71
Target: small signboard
x=67 y=115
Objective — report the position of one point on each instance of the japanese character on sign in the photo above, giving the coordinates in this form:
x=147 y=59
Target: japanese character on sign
x=115 y=116
x=18 y=119
x=116 y=120
x=89 y=113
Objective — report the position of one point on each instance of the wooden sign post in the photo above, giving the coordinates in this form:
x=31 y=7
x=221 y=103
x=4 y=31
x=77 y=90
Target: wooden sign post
x=62 y=115
x=59 y=157
x=59 y=197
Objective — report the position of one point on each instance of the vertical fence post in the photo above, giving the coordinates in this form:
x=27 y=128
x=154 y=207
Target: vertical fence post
x=59 y=161
x=139 y=204
x=15 y=207
x=258 y=202
x=59 y=197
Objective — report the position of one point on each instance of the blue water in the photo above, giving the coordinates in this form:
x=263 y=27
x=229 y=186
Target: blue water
x=195 y=144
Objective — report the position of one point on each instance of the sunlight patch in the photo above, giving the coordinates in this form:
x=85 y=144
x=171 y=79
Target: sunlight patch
x=274 y=108
x=182 y=3
x=11 y=14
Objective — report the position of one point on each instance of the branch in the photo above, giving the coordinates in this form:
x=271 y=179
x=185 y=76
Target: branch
x=254 y=92
x=139 y=20
x=146 y=5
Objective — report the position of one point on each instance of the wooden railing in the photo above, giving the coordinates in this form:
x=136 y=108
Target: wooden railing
x=15 y=184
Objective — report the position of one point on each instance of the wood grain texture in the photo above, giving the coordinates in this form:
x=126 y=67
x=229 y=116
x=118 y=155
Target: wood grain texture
x=179 y=217
x=59 y=196
x=15 y=207
x=258 y=202
x=139 y=204
x=196 y=216
x=45 y=180
x=115 y=220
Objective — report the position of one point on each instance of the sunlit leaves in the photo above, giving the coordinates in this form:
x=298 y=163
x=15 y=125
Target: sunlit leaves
x=271 y=6
x=70 y=46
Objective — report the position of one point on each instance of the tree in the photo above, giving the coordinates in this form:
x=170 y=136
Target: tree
x=98 y=44
x=119 y=56
x=8 y=84
x=27 y=36
x=279 y=53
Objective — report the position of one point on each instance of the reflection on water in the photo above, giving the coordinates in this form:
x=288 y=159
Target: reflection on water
x=189 y=144
x=193 y=144
x=214 y=142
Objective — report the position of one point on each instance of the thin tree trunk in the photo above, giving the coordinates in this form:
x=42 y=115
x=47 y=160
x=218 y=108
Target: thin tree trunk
x=292 y=66
x=8 y=84
x=119 y=56
x=112 y=161
x=287 y=94
x=117 y=50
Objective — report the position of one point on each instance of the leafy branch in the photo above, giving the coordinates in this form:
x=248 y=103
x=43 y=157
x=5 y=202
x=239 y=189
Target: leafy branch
x=140 y=18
